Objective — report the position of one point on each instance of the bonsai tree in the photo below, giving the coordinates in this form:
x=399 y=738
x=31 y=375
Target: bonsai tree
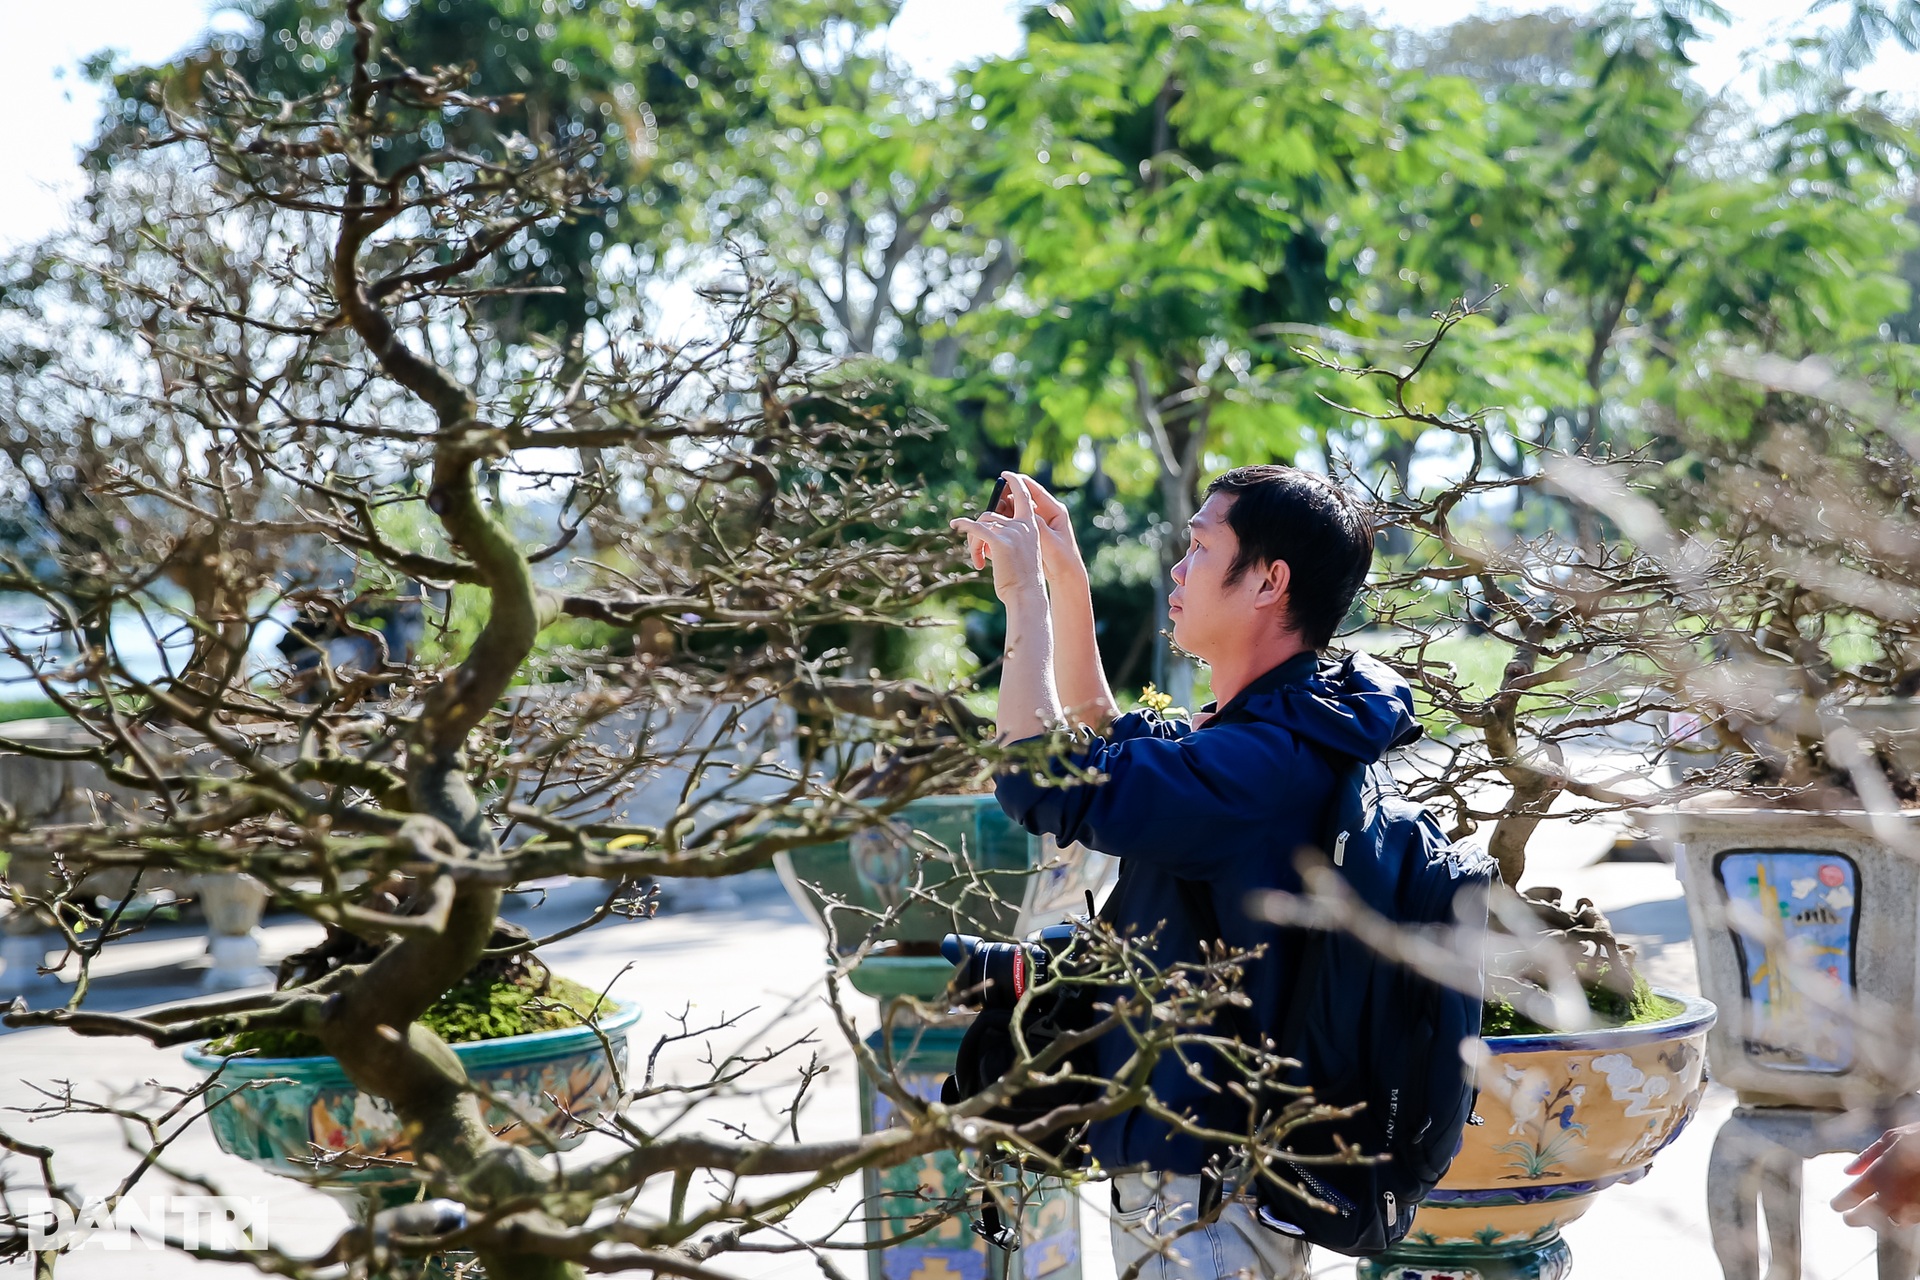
x=283 y=309
x=1524 y=645
x=1748 y=609
x=1812 y=659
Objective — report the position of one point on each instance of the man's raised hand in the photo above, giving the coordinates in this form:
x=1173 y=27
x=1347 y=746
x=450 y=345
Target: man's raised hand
x=1059 y=551
x=1013 y=543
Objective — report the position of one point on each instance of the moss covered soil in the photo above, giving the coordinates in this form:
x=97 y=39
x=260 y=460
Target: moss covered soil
x=474 y=1010
x=1500 y=1018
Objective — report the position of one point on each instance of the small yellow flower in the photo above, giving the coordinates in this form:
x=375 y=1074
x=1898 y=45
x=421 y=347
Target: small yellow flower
x=1161 y=704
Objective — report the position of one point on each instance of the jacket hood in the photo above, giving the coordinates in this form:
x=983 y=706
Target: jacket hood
x=1354 y=704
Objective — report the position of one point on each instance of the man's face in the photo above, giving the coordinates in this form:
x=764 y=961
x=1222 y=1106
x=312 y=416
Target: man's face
x=1209 y=616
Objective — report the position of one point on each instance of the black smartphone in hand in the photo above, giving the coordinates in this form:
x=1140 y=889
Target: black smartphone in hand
x=976 y=547
x=999 y=497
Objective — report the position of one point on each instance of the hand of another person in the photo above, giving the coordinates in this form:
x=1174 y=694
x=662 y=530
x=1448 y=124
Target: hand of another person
x=1887 y=1188
x=1012 y=543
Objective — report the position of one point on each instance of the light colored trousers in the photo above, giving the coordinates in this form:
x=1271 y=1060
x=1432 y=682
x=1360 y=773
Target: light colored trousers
x=1149 y=1211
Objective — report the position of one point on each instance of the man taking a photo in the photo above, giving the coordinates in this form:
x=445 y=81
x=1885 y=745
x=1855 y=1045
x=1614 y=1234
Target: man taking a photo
x=1217 y=806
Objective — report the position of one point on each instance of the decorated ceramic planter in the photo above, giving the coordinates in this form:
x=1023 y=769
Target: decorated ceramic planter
x=976 y=874
x=1805 y=925
x=1560 y=1118
x=983 y=875
x=312 y=1124
x=897 y=1198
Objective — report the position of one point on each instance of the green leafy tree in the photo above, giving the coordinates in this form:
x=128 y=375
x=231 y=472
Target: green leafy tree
x=1188 y=189
x=1641 y=229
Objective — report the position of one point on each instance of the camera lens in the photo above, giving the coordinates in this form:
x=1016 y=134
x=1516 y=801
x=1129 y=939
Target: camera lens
x=994 y=975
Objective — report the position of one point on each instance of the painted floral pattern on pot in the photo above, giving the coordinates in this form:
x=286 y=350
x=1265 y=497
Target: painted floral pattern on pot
x=1560 y=1118
x=302 y=1117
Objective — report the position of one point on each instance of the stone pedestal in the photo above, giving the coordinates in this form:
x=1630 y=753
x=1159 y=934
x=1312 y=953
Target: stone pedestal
x=233 y=905
x=1805 y=927
x=53 y=793
x=1757 y=1158
x=1046 y=1211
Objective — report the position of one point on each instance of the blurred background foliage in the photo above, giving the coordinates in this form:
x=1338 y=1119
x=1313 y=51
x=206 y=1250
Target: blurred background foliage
x=1102 y=258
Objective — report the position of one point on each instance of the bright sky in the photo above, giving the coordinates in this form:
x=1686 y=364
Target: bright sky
x=50 y=111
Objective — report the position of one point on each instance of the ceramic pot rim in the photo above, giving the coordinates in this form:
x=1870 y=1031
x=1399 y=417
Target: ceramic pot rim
x=1695 y=1017
x=1737 y=806
x=939 y=801
x=1525 y=1194
x=533 y=1046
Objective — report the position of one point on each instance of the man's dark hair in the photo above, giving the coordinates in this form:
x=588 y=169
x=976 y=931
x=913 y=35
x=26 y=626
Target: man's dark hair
x=1311 y=523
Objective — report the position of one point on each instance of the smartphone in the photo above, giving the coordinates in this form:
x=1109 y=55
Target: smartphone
x=999 y=497
x=976 y=549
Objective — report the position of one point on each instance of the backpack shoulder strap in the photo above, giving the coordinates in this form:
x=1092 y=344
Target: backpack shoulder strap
x=1109 y=913
x=1310 y=955
x=1197 y=898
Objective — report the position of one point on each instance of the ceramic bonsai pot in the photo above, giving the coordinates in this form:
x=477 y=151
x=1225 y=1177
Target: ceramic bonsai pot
x=1891 y=724
x=1560 y=1118
x=1805 y=925
x=983 y=873
x=311 y=1123
x=874 y=869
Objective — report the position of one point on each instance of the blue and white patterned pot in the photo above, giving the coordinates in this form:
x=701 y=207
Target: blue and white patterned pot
x=308 y=1121
x=1560 y=1118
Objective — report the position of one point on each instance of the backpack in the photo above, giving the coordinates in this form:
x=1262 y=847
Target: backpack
x=1367 y=1030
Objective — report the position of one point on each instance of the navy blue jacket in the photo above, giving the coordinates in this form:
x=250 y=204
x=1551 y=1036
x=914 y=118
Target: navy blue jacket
x=1227 y=806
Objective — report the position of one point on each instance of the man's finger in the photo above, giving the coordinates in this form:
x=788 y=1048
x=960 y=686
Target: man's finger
x=1022 y=500
x=976 y=551
x=1043 y=502
x=1854 y=1193
x=972 y=528
x=980 y=536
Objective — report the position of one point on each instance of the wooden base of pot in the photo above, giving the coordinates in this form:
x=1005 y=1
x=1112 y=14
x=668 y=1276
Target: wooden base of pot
x=1544 y=1259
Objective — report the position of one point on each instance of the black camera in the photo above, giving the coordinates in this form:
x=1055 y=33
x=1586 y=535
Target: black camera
x=994 y=975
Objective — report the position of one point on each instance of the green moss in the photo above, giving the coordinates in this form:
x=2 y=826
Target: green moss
x=1610 y=1009
x=468 y=1012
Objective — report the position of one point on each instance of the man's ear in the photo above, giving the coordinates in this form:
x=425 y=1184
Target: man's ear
x=1273 y=590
